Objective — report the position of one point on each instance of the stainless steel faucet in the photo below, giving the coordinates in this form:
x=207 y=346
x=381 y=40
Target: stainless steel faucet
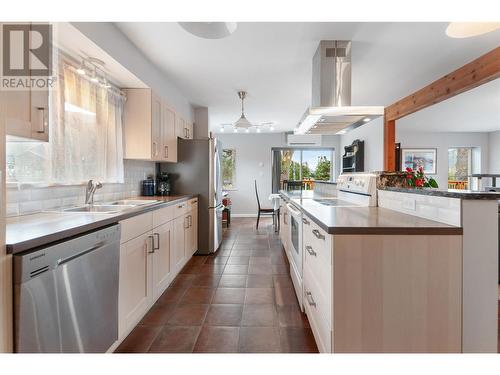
x=92 y=186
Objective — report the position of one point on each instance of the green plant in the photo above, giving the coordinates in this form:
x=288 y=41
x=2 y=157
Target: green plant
x=416 y=178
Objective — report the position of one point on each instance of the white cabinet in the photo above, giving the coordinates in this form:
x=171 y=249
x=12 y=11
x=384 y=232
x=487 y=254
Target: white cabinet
x=168 y=136
x=154 y=248
x=193 y=227
x=318 y=281
x=26 y=113
x=184 y=128
x=163 y=244
x=135 y=292
x=179 y=250
x=148 y=127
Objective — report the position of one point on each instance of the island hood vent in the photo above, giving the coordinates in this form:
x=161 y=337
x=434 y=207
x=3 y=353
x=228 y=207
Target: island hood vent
x=331 y=111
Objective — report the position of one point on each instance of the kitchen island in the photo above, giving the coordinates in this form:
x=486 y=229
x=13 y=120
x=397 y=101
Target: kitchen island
x=377 y=280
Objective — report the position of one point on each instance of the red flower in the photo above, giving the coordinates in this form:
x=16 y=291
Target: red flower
x=408 y=169
x=419 y=182
x=421 y=169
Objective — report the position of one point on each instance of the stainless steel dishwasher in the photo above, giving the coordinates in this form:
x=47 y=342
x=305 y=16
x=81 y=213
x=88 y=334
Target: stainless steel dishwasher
x=66 y=295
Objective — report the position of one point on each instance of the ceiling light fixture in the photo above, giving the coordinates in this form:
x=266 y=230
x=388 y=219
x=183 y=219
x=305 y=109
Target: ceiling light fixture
x=222 y=129
x=367 y=119
x=210 y=30
x=470 y=29
x=258 y=130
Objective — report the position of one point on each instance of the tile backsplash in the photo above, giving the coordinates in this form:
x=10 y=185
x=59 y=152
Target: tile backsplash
x=25 y=200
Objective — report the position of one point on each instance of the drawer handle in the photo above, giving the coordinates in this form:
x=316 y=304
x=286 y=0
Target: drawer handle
x=166 y=151
x=180 y=206
x=310 y=250
x=305 y=221
x=157 y=235
x=310 y=299
x=318 y=234
x=152 y=245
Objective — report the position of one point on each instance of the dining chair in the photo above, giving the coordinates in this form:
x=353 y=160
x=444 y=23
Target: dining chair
x=263 y=211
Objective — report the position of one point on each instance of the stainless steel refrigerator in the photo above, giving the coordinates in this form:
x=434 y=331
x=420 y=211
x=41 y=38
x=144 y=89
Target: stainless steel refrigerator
x=198 y=171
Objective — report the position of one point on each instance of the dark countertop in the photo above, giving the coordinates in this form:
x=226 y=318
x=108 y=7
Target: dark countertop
x=26 y=232
x=351 y=219
x=450 y=193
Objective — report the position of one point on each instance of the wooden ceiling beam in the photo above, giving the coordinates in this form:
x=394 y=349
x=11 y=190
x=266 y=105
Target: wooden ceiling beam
x=482 y=70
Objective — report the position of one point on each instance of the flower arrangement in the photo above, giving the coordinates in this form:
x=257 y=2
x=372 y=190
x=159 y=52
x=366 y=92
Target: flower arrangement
x=416 y=178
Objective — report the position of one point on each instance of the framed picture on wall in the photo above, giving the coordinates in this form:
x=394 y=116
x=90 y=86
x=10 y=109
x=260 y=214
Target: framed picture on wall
x=419 y=157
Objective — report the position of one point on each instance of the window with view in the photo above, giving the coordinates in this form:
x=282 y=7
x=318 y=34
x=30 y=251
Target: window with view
x=459 y=167
x=299 y=168
x=229 y=169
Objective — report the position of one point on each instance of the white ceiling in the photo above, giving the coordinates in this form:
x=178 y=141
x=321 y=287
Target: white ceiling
x=272 y=61
x=477 y=110
x=74 y=43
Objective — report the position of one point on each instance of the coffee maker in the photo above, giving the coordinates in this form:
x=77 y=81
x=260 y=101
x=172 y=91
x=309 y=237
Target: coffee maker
x=163 y=186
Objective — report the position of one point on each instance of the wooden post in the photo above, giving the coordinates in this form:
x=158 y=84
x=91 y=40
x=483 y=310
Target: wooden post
x=389 y=144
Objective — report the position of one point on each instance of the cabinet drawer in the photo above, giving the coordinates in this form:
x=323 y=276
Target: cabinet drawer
x=318 y=258
x=163 y=215
x=180 y=209
x=318 y=306
x=135 y=226
x=319 y=240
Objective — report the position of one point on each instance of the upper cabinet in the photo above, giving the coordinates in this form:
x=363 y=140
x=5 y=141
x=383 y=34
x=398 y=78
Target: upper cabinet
x=149 y=127
x=184 y=128
x=27 y=113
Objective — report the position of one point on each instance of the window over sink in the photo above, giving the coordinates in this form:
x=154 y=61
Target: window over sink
x=85 y=127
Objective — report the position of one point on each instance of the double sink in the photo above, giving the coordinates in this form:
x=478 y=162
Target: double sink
x=110 y=207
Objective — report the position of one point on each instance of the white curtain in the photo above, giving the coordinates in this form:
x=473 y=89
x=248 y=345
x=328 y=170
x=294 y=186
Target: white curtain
x=85 y=139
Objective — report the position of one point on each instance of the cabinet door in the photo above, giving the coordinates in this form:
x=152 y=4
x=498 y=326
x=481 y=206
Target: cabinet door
x=161 y=258
x=135 y=281
x=194 y=231
x=180 y=126
x=168 y=135
x=156 y=127
x=179 y=256
x=17 y=106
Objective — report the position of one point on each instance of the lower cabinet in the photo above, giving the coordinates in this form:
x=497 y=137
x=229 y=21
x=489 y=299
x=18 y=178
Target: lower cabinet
x=154 y=248
x=179 y=249
x=163 y=238
x=317 y=280
x=135 y=291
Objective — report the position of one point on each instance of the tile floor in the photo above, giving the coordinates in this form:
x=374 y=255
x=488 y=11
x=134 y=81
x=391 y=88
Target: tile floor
x=238 y=301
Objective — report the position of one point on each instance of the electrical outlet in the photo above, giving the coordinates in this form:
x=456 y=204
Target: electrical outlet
x=409 y=204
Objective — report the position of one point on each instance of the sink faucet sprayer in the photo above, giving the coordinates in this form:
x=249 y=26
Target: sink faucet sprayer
x=92 y=186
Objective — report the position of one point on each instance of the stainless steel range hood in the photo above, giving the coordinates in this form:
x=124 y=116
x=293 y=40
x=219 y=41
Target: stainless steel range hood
x=331 y=111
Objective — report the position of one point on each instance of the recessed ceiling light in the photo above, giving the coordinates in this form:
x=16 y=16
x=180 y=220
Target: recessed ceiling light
x=366 y=119
x=210 y=30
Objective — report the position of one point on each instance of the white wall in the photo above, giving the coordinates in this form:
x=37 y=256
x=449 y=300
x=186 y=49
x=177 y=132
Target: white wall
x=116 y=44
x=253 y=162
x=444 y=141
x=373 y=135
x=494 y=152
